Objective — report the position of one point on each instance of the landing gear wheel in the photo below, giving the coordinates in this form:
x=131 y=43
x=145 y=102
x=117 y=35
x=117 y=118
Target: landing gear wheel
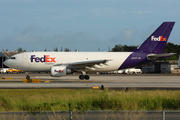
x=28 y=77
x=86 y=77
x=81 y=77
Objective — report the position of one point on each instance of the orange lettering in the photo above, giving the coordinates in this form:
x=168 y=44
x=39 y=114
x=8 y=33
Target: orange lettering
x=47 y=57
x=164 y=39
x=53 y=59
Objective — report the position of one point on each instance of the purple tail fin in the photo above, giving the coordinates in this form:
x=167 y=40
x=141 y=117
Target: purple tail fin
x=156 y=42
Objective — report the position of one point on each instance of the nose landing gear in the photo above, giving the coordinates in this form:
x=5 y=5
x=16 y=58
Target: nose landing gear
x=27 y=76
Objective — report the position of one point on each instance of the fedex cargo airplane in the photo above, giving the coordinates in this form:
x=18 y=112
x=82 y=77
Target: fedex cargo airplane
x=64 y=63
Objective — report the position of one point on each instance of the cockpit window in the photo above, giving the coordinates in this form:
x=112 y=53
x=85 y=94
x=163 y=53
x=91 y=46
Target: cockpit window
x=12 y=58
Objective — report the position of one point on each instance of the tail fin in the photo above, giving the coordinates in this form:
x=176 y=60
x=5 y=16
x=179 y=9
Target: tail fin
x=156 y=42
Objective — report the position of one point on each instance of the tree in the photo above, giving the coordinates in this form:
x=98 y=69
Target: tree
x=117 y=48
x=172 y=48
x=66 y=50
x=20 y=50
x=125 y=48
x=56 y=49
x=129 y=48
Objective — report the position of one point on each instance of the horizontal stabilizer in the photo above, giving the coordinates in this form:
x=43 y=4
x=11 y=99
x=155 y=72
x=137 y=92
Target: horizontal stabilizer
x=157 y=56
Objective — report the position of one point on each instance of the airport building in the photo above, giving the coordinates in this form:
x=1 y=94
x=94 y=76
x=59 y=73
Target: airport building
x=161 y=67
x=4 y=56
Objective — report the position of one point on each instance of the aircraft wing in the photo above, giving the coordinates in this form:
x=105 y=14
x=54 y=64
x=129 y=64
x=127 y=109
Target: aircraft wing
x=90 y=65
x=156 y=56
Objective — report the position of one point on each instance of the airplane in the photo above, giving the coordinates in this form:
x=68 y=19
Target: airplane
x=64 y=63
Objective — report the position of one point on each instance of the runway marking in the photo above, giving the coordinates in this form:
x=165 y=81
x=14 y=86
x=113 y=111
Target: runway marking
x=32 y=81
x=95 y=87
x=120 y=82
x=6 y=78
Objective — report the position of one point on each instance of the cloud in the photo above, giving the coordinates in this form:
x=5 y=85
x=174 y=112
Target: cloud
x=34 y=38
x=127 y=36
x=137 y=12
x=77 y=40
x=33 y=29
x=105 y=12
x=105 y=0
x=66 y=14
x=31 y=34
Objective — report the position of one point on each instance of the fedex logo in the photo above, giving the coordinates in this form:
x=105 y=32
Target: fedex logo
x=160 y=38
x=59 y=71
x=45 y=58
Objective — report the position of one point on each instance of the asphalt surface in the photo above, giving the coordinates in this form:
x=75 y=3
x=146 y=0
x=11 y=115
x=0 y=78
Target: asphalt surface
x=120 y=81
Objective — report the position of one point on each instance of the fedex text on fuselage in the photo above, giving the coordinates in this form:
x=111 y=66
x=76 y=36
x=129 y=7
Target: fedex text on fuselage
x=45 y=58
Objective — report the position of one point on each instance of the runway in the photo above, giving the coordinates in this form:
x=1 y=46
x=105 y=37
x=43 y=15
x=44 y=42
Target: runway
x=149 y=81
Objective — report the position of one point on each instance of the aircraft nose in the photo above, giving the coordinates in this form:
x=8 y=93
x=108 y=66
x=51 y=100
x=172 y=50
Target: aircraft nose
x=5 y=62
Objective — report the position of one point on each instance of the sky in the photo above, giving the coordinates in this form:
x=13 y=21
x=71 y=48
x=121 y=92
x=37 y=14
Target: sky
x=84 y=25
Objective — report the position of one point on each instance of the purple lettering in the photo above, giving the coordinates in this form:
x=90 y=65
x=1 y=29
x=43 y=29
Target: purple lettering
x=37 y=59
x=32 y=57
x=43 y=59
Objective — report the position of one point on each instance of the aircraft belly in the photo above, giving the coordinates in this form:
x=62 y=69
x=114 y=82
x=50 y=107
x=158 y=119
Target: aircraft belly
x=42 y=68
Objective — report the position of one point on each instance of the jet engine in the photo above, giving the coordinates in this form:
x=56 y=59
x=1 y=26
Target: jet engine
x=58 y=71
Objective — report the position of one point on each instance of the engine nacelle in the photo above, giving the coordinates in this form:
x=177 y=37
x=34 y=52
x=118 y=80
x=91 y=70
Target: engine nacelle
x=58 y=71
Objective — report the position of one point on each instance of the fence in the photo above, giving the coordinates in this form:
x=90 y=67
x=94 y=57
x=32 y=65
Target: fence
x=91 y=115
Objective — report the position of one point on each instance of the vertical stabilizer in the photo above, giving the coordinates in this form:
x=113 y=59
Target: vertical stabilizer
x=156 y=42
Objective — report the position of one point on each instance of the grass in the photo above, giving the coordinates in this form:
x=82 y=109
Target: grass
x=87 y=99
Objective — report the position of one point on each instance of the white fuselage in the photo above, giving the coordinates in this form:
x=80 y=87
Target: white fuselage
x=35 y=61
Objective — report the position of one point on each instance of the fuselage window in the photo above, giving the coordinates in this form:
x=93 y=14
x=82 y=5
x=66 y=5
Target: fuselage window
x=12 y=58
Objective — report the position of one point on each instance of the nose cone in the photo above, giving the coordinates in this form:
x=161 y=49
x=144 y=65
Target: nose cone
x=6 y=63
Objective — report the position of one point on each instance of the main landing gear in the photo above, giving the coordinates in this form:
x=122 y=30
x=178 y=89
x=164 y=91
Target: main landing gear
x=27 y=76
x=84 y=76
